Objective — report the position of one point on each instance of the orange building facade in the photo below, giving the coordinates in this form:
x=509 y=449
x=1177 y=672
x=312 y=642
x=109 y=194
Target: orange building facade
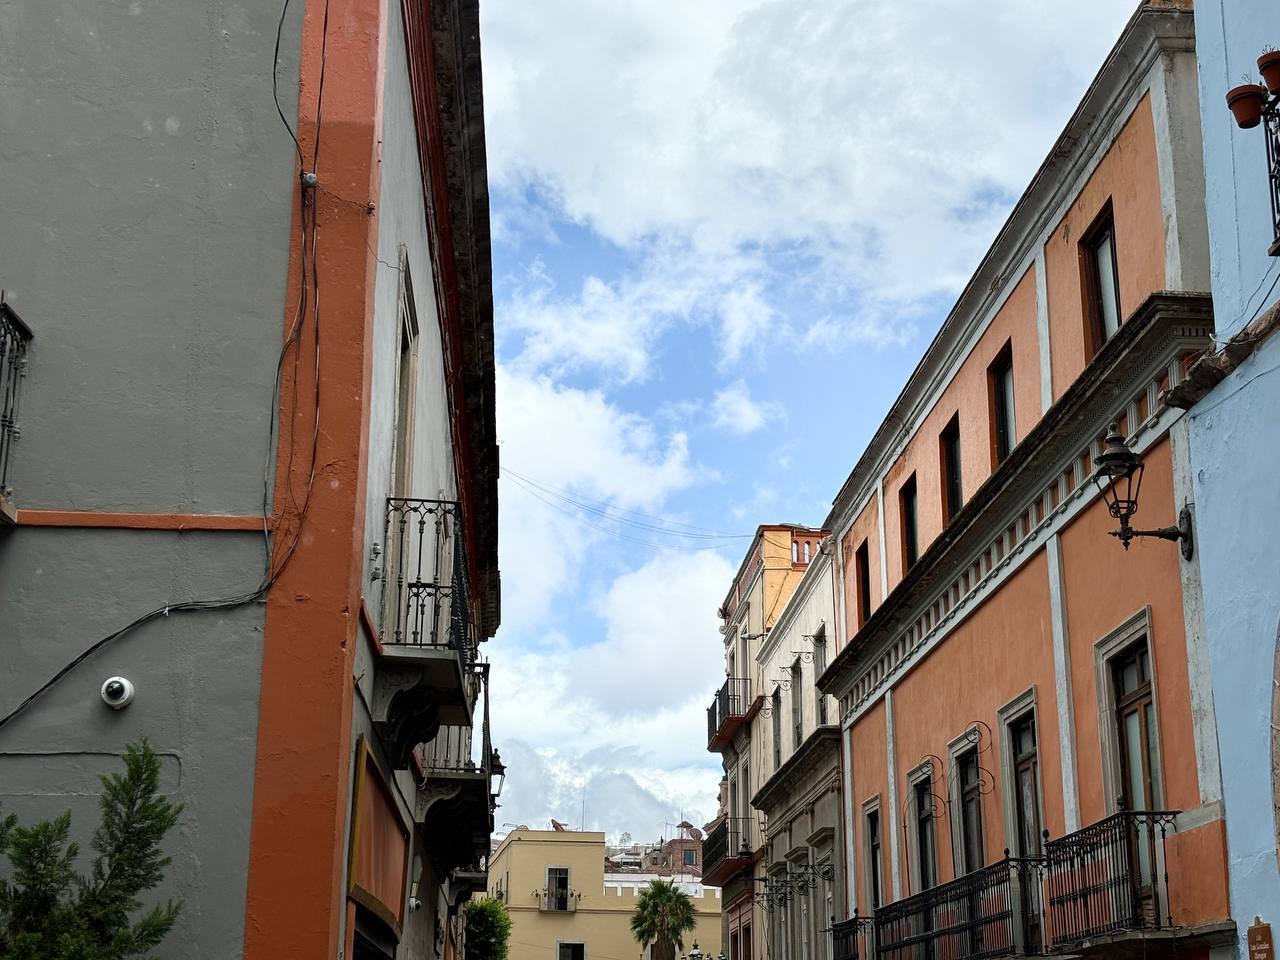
x=1028 y=753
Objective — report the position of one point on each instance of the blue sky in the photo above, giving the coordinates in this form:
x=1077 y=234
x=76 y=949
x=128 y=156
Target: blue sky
x=724 y=232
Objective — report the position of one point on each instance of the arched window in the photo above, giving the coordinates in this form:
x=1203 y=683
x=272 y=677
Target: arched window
x=806 y=551
x=795 y=552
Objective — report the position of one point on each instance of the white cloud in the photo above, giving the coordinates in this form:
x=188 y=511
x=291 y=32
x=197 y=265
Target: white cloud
x=627 y=714
x=734 y=410
x=872 y=146
x=572 y=440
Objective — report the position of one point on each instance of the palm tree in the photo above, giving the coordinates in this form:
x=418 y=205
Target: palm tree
x=663 y=915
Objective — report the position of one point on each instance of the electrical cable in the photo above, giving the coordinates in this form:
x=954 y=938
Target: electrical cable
x=611 y=532
x=604 y=509
x=272 y=570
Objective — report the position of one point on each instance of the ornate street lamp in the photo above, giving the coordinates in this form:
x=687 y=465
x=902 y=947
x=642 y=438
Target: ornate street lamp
x=498 y=771
x=1119 y=477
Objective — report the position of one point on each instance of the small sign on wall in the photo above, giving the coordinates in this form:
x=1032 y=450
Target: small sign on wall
x=1260 y=943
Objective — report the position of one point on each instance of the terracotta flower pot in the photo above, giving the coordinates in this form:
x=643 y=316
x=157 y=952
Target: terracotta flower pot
x=1245 y=102
x=1269 y=65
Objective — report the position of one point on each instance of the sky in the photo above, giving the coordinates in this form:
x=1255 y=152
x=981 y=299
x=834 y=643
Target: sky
x=724 y=232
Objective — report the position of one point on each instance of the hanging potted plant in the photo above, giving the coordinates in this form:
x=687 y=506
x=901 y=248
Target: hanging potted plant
x=1245 y=103
x=1269 y=66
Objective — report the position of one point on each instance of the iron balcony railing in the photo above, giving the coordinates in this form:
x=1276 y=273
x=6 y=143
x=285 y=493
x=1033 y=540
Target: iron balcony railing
x=991 y=912
x=732 y=838
x=853 y=939
x=426 y=600
x=1109 y=877
x=1271 y=132
x=14 y=339
x=731 y=700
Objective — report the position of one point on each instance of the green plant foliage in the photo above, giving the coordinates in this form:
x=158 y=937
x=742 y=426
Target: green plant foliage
x=664 y=914
x=488 y=929
x=49 y=912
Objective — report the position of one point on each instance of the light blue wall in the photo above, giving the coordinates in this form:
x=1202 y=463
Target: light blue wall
x=1235 y=449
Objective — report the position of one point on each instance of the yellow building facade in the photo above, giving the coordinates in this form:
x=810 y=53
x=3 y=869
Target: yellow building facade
x=564 y=906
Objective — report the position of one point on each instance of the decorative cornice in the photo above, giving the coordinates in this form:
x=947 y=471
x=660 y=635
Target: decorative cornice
x=820 y=749
x=1032 y=489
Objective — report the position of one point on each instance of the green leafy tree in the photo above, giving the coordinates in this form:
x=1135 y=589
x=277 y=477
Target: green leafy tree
x=488 y=929
x=49 y=912
x=663 y=915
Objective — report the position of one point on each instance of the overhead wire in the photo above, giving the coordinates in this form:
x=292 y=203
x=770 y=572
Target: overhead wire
x=272 y=570
x=618 y=514
x=609 y=530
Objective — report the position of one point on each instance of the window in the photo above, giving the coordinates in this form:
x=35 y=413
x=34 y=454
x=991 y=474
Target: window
x=1003 y=423
x=797 y=706
x=875 y=858
x=571 y=951
x=952 y=492
x=971 y=847
x=1101 y=280
x=1026 y=784
x=806 y=551
x=1136 y=728
x=406 y=380
x=777 y=727
x=795 y=552
x=926 y=850
x=557 y=888
x=819 y=668
x=910 y=531
x=862 y=569
x=690 y=857
x=745 y=781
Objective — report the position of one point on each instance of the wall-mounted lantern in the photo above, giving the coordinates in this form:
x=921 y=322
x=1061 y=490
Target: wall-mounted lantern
x=497 y=773
x=1119 y=477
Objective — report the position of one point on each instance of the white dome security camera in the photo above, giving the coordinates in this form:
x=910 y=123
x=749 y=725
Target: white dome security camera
x=117 y=692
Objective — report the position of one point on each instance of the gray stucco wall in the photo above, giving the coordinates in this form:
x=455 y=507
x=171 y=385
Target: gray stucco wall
x=1235 y=455
x=196 y=677
x=147 y=196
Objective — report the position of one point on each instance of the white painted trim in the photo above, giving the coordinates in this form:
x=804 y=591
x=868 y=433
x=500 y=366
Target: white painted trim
x=895 y=855
x=1042 y=332
x=850 y=868
x=1062 y=686
x=1204 y=724
x=838 y=635
x=884 y=553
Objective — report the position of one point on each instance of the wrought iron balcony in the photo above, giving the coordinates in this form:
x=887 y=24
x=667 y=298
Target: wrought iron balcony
x=559 y=900
x=853 y=939
x=1109 y=878
x=728 y=849
x=992 y=912
x=14 y=339
x=728 y=712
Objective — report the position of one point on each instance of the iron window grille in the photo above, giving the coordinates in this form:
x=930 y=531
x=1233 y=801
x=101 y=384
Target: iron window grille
x=15 y=338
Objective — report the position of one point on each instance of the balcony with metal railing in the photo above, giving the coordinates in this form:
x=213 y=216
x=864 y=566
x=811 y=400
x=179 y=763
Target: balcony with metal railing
x=728 y=849
x=728 y=712
x=15 y=337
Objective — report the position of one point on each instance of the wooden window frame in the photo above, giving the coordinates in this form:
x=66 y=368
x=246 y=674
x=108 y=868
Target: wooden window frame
x=921 y=775
x=1136 y=628
x=862 y=580
x=909 y=534
x=1003 y=409
x=1091 y=284
x=874 y=883
x=950 y=469
x=1010 y=715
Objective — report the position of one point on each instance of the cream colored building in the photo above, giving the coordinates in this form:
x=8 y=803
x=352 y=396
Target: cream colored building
x=564 y=906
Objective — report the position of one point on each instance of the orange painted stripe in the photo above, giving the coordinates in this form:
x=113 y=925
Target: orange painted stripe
x=137 y=521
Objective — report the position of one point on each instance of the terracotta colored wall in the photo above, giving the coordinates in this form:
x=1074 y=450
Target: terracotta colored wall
x=870 y=779
x=1005 y=647
x=1104 y=587
x=1128 y=176
x=380 y=857
x=967 y=394
x=865 y=527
